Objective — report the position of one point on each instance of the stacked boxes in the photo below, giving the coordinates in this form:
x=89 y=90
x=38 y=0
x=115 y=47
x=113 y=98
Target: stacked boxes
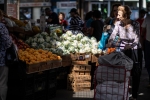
x=80 y=78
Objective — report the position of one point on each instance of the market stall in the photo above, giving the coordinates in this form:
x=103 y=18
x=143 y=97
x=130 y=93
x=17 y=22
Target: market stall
x=47 y=58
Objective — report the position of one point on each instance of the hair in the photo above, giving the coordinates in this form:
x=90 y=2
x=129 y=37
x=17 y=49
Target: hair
x=96 y=14
x=126 y=11
x=47 y=9
x=115 y=5
x=63 y=14
x=126 y=14
x=88 y=15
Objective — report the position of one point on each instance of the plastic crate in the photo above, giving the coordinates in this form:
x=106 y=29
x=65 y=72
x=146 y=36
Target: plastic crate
x=42 y=74
x=40 y=84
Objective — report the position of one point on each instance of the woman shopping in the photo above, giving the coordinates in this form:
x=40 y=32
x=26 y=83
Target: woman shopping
x=128 y=42
x=5 y=42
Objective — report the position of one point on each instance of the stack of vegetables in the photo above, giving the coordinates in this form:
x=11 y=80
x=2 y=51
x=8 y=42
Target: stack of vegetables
x=65 y=44
x=31 y=56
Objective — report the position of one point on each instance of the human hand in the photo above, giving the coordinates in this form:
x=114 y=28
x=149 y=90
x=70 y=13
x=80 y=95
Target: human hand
x=108 y=27
x=127 y=46
x=108 y=45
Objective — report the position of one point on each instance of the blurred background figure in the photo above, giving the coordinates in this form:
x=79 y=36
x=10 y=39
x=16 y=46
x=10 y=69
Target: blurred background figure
x=52 y=16
x=62 y=20
x=142 y=14
x=27 y=14
x=97 y=25
x=76 y=22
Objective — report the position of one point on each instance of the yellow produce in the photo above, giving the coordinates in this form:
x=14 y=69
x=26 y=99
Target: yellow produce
x=31 y=56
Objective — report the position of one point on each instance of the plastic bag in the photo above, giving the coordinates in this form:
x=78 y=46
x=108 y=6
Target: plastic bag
x=103 y=41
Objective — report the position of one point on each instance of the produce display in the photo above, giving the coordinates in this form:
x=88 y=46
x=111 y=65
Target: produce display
x=65 y=44
x=31 y=56
x=20 y=44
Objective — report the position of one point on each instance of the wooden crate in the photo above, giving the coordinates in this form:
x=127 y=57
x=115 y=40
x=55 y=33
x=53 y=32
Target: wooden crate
x=74 y=56
x=80 y=67
x=66 y=63
x=81 y=72
x=82 y=77
x=56 y=63
x=95 y=59
x=32 y=68
x=80 y=62
x=43 y=66
x=66 y=58
x=50 y=64
x=84 y=84
x=76 y=89
x=84 y=56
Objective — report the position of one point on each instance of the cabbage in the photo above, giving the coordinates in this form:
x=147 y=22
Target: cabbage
x=40 y=40
x=73 y=37
x=81 y=51
x=94 y=51
x=71 y=49
x=34 y=45
x=41 y=46
x=34 y=39
x=99 y=51
x=69 y=33
x=59 y=51
x=58 y=43
x=47 y=39
x=80 y=45
x=79 y=36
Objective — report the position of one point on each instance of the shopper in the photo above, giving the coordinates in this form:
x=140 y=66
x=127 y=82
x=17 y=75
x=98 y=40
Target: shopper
x=146 y=29
x=128 y=32
x=52 y=17
x=142 y=14
x=5 y=42
x=96 y=25
x=110 y=21
x=62 y=20
x=76 y=22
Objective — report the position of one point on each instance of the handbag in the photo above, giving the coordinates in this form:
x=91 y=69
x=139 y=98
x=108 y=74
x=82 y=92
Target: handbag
x=11 y=55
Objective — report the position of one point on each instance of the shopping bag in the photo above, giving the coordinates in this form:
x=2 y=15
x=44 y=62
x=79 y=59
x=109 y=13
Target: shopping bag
x=103 y=40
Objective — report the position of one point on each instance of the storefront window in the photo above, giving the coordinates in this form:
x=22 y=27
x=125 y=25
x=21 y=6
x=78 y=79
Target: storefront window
x=25 y=13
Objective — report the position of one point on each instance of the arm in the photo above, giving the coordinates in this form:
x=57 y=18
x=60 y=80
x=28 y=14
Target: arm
x=5 y=40
x=114 y=33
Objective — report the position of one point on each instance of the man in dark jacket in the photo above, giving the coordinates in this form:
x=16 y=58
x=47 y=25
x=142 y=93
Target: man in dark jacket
x=52 y=17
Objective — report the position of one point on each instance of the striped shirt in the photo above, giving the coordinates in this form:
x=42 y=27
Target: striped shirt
x=127 y=36
x=75 y=23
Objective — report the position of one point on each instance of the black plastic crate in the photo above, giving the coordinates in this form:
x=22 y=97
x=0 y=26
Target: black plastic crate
x=40 y=94
x=29 y=97
x=52 y=84
x=42 y=74
x=52 y=74
x=40 y=84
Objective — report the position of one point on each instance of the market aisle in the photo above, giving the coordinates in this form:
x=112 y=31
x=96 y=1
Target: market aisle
x=144 y=92
x=69 y=95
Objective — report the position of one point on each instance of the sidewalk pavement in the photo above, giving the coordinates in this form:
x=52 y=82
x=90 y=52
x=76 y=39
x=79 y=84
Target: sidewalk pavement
x=144 y=91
